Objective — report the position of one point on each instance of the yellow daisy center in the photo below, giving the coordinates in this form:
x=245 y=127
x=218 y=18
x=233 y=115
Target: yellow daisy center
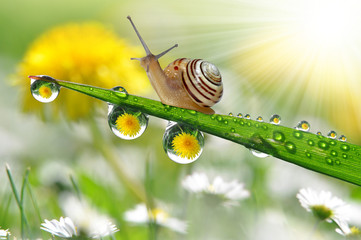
x=128 y=124
x=45 y=92
x=186 y=145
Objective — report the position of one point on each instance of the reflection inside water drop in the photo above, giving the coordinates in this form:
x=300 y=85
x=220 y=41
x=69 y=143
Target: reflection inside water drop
x=182 y=143
x=258 y=153
x=275 y=119
x=303 y=126
x=44 y=91
x=126 y=123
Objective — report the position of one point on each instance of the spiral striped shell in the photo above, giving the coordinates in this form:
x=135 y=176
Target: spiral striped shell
x=201 y=80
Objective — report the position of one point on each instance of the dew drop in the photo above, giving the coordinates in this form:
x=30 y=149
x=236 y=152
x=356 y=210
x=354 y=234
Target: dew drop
x=259 y=119
x=258 y=153
x=319 y=133
x=308 y=154
x=135 y=99
x=345 y=147
x=311 y=142
x=182 y=143
x=192 y=112
x=44 y=91
x=126 y=123
x=264 y=127
x=219 y=118
x=91 y=89
x=342 y=138
x=334 y=153
x=233 y=130
x=275 y=119
x=338 y=162
x=247 y=116
x=278 y=136
x=121 y=92
x=303 y=126
x=230 y=114
x=332 y=134
x=213 y=117
x=225 y=122
x=290 y=147
x=298 y=134
x=329 y=161
x=344 y=155
x=239 y=115
x=324 y=145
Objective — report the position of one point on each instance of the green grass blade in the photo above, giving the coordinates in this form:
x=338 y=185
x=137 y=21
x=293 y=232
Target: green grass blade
x=318 y=153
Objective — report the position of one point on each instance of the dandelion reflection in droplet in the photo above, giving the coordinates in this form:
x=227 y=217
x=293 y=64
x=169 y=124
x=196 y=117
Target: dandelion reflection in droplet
x=275 y=119
x=182 y=143
x=303 y=126
x=44 y=91
x=126 y=123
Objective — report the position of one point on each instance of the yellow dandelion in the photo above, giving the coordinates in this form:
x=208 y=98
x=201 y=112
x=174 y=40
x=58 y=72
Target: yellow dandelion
x=87 y=53
x=45 y=92
x=186 y=145
x=128 y=124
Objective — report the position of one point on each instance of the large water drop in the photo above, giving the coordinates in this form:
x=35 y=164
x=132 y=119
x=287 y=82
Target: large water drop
x=275 y=119
x=182 y=143
x=303 y=126
x=332 y=134
x=44 y=91
x=126 y=123
x=258 y=153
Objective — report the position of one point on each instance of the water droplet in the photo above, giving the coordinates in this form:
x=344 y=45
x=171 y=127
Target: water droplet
x=345 y=147
x=241 y=123
x=249 y=124
x=311 y=142
x=44 y=91
x=225 y=122
x=319 y=133
x=193 y=112
x=275 y=119
x=247 y=116
x=182 y=143
x=298 y=134
x=119 y=89
x=230 y=114
x=233 y=130
x=342 y=138
x=259 y=119
x=344 y=155
x=258 y=153
x=91 y=89
x=278 y=136
x=324 y=145
x=333 y=143
x=334 y=153
x=338 y=162
x=329 y=161
x=290 y=147
x=126 y=123
x=332 y=134
x=219 y=118
x=135 y=99
x=239 y=115
x=213 y=117
x=308 y=154
x=303 y=126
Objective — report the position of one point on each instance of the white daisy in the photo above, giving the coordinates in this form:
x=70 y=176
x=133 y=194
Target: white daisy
x=323 y=205
x=232 y=191
x=64 y=228
x=140 y=215
x=347 y=231
x=4 y=233
x=87 y=220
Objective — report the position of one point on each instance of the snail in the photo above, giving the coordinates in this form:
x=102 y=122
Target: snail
x=186 y=83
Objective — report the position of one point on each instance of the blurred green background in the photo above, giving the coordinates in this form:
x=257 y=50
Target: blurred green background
x=269 y=63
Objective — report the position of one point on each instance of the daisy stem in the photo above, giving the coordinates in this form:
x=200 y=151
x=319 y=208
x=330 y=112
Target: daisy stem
x=328 y=156
x=19 y=199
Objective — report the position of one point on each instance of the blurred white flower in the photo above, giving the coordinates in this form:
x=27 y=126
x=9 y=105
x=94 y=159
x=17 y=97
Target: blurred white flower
x=323 y=205
x=140 y=215
x=230 y=191
x=64 y=228
x=86 y=219
x=347 y=231
x=4 y=233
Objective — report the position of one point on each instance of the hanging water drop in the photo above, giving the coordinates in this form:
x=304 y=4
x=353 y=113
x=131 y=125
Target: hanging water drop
x=126 y=123
x=342 y=138
x=44 y=91
x=303 y=126
x=182 y=143
x=275 y=119
x=332 y=134
x=258 y=153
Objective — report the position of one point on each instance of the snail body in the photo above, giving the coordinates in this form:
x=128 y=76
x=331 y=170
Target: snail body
x=186 y=83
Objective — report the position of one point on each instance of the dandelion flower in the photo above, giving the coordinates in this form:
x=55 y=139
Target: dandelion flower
x=128 y=124
x=140 y=215
x=230 y=192
x=323 y=205
x=86 y=53
x=186 y=145
x=347 y=231
x=64 y=228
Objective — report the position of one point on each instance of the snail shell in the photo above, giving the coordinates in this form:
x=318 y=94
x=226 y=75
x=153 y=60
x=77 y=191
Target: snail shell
x=200 y=79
